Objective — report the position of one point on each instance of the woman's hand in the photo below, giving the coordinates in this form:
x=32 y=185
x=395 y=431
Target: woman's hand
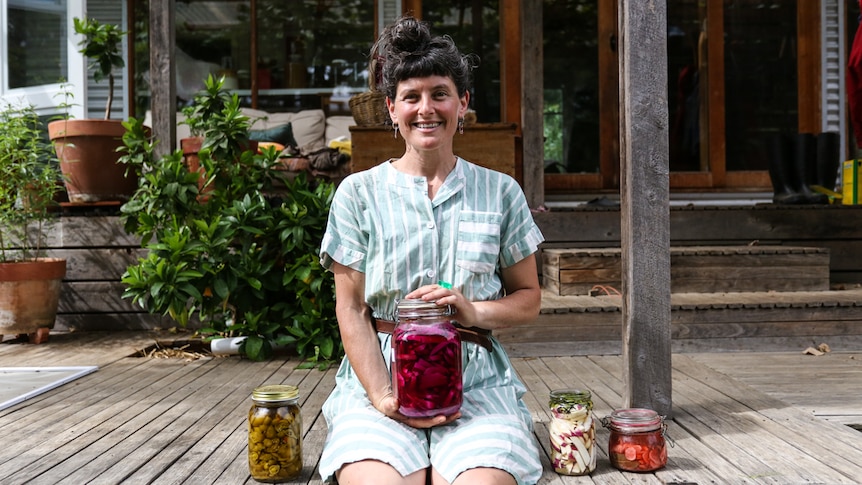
x=447 y=295
x=519 y=306
x=388 y=405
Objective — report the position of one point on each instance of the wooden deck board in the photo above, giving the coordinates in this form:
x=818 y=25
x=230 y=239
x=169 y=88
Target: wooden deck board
x=737 y=417
x=821 y=385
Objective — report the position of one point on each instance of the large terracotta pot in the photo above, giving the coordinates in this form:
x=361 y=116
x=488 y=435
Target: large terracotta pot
x=29 y=295
x=88 y=155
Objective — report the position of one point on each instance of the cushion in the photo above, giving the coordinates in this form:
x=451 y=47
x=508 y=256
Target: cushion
x=309 y=126
x=280 y=134
x=338 y=127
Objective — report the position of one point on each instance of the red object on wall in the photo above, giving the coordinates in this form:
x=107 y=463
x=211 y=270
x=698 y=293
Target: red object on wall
x=264 y=78
x=854 y=84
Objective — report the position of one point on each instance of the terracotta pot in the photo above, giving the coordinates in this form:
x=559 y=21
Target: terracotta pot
x=88 y=155
x=190 y=147
x=29 y=294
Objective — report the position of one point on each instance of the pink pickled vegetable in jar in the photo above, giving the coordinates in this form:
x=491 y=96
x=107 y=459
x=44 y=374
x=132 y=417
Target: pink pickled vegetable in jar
x=426 y=360
x=637 y=442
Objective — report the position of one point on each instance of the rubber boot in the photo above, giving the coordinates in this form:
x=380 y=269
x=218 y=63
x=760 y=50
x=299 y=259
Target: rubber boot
x=780 y=172
x=828 y=159
x=804 y=169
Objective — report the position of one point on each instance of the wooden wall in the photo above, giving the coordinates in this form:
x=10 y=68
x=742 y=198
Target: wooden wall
x=838 y=228
x=98 y=250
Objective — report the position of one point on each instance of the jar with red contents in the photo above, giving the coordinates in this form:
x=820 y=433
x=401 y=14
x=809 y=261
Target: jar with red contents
x=637 y=441
x=426 y=360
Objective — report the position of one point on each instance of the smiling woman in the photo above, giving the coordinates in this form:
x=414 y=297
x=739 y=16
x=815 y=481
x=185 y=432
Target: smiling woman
x=396 y=230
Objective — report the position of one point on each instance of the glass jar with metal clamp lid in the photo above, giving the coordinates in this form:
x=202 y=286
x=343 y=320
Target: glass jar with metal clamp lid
x=637 y=441
x=426 y=360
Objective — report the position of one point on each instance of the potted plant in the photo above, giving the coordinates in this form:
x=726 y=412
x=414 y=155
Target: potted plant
x=201 y=116
x=29 y=281
x=243 y=264
x=87 y=148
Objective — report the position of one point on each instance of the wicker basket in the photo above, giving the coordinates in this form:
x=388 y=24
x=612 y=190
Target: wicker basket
x=369 y=108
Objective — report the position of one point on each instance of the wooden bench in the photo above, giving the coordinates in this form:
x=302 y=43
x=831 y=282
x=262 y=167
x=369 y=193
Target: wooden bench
x=694 y=269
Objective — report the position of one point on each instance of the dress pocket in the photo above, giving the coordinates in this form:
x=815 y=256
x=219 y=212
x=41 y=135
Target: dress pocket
x=479 y=241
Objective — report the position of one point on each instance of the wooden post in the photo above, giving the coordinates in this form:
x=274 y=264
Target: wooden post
x=644 y=194
x=163 y=91
x=532 y=102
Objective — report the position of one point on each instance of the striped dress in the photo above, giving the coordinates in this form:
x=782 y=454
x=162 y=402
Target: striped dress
x=383 y=224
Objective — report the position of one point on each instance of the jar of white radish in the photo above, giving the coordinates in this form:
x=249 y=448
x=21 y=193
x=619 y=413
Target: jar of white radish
x=572 y=431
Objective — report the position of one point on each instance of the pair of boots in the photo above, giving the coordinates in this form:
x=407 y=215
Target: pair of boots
x=802 y=161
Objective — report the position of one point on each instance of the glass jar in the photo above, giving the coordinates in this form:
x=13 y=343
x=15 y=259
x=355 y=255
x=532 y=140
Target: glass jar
x=572 y=432
x=637 y=441
x=274 y=434
x=426 y=360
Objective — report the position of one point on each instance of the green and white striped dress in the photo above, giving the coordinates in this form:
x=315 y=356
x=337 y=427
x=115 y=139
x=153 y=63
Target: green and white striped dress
x=383 y=224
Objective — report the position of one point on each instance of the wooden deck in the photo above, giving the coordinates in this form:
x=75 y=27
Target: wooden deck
x=738 y=417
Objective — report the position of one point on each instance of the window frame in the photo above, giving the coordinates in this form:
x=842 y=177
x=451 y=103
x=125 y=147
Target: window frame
x=47 y=98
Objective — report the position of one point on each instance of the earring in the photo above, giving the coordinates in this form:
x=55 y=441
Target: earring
x=461 y=125
x=395 y=130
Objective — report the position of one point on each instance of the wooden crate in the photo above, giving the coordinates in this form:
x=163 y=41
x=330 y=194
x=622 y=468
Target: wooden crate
x=695 y=269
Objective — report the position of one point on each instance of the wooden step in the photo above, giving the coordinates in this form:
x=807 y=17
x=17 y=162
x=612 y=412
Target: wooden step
x=700 y=322
x=701 y=269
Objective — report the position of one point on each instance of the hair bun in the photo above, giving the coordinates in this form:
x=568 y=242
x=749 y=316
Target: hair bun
x=409 y=35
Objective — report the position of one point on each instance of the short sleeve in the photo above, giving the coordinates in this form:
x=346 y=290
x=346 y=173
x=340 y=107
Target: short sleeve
x=520 y=234
x=344 y=242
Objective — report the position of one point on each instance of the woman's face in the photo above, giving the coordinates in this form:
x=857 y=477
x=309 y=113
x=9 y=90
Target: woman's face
x=427 y=110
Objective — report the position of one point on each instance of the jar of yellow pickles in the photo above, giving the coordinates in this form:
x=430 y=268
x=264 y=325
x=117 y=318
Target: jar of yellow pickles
x=274 y=434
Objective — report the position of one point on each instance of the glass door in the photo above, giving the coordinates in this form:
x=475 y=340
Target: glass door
x=738 y=71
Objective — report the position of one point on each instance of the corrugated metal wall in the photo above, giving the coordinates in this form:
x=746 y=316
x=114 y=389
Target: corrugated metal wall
x=108 y=11
x=833 y=116
x=387 y=12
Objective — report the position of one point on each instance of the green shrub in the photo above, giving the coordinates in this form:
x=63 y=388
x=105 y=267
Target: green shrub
x=237 y=251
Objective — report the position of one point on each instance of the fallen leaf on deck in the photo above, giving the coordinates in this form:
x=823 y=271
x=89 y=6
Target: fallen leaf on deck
x=812 y=351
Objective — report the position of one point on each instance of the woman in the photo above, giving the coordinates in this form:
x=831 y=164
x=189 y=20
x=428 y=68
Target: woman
x=394 y=231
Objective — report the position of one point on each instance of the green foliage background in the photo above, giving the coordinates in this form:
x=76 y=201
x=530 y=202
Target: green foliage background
x=236 y=249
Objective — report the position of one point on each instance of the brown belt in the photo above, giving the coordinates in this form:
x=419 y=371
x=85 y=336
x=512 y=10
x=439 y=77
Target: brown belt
x=478 y=336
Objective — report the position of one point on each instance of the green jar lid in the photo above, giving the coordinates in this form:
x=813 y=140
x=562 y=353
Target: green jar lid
x=275 y=393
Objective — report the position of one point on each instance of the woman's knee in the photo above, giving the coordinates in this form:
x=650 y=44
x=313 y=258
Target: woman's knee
x=481 y=476
x=374 y=472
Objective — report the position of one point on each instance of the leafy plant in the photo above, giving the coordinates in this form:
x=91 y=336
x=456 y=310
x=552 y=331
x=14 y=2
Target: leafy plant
x=238 y=252
x=207 y=104
x=102 y=45
x=28 y=181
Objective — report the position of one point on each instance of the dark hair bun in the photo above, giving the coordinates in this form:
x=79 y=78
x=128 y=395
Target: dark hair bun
x=409 y=35
x=406 y=49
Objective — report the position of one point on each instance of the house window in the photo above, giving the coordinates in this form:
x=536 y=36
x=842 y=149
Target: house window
x=278 y=55
x=36 y=46
x=35 y=55
x=475 y=28
x=738 y=71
